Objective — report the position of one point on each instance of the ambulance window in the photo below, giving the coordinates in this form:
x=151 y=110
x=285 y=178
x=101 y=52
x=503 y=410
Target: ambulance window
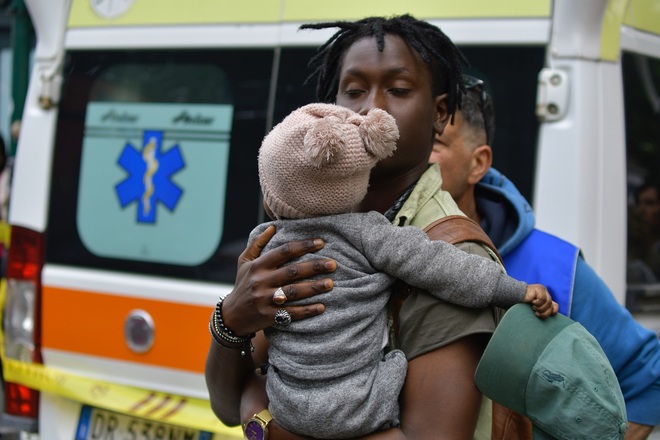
x=641 y=75
x=155 y=163
x=292 y=92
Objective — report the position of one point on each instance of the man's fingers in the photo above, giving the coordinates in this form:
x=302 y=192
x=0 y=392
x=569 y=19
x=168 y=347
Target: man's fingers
x=304 y=269
x=306 y=289
x=282 y=254
x=271 y=268
x=255 y=248
x=290 y=251
x=303 y=312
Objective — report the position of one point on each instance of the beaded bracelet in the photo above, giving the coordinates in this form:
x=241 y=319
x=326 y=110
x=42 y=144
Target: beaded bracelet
x=225 y=337
x=220 y=339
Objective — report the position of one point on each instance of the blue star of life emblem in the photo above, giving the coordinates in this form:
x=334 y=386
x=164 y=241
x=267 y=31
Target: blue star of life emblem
x=149 y=180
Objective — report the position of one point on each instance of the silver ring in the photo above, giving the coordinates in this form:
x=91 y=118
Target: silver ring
x=279 y=297
x=282 y=317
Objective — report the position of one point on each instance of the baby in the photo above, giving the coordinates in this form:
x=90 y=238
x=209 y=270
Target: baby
x=330 y=376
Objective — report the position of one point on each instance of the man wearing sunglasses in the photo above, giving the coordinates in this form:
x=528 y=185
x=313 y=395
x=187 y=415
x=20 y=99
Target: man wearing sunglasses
x=488 y=197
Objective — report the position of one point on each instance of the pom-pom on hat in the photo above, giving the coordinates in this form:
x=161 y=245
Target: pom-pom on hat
x=317 y=161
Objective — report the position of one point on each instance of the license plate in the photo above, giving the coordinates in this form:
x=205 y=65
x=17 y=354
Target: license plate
x=99 y=424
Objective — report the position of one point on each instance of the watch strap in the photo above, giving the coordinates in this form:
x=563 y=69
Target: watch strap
x=264 y=416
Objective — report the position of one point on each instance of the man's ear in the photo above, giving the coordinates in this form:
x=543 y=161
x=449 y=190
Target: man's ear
x=441 y=113
x=482 y=160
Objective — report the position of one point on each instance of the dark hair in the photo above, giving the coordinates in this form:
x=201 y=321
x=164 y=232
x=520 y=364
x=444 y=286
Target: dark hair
x=647 y=184
x=474 y=111
x=444 y=59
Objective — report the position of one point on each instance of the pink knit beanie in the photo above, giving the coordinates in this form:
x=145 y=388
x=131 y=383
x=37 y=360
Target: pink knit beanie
x=317 y=161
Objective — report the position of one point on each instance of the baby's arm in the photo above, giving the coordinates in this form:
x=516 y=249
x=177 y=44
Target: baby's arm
x=440 y=268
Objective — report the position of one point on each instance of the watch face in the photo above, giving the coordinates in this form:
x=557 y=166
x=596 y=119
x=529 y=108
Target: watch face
x=254 y=431
x=110 y=8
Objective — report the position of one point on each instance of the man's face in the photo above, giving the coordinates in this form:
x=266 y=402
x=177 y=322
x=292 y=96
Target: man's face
x=453 y=151
x=399 y=82
x=648 y=205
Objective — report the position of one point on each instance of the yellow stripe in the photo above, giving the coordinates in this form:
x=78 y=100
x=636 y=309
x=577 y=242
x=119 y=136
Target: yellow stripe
x=5 y=234
x=193 y=413
x=644 y=15
x=611 y=29
x=300 y=10
x=164 y=12
x=156 y=12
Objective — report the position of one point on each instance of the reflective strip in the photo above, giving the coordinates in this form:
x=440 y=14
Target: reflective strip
x=611 y=29
x=644 y=15
x=93 y=324
x=155 y=12
x=300 y=10
x=170 y=12
x=165 y=408
x=5 y=234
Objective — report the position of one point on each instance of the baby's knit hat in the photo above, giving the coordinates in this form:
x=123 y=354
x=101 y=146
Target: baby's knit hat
x=317 y=161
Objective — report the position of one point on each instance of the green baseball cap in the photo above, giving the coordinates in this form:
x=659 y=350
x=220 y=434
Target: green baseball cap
x=555 y=373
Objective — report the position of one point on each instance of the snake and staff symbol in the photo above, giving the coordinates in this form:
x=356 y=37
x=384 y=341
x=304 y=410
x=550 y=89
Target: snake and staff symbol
x=150 y=171
x=149 y=157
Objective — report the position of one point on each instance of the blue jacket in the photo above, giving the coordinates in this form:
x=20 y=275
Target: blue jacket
x=537 y=257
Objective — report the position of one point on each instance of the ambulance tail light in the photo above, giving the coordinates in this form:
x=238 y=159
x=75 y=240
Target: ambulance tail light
x=22 y=315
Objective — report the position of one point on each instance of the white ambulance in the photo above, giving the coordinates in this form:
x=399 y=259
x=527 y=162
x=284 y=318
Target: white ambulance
x=135 y=181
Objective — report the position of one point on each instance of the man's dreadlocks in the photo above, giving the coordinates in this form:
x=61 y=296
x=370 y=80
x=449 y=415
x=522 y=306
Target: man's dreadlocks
x=444 y=59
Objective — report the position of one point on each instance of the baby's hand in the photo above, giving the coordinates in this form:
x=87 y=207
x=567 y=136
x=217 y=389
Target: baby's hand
x=541 y=301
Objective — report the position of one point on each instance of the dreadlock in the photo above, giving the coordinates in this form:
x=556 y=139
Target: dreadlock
x=444 y=59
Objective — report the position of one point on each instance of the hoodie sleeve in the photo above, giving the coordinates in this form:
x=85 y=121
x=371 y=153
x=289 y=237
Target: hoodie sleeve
x=633 y=350
x=439 y=267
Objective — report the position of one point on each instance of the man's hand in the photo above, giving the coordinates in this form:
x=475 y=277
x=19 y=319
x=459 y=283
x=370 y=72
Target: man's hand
x=251 y=306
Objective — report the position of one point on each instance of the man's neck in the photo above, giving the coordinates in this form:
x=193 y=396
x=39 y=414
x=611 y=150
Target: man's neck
x=383 y=192
x=468 y=205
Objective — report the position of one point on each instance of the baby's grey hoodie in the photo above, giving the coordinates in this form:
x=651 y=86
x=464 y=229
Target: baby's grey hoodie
x=329 y=376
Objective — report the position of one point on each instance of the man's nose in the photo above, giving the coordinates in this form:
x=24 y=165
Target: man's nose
x=375 y=99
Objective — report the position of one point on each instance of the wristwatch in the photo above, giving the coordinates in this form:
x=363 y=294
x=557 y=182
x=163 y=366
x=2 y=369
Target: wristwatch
x=257 y=427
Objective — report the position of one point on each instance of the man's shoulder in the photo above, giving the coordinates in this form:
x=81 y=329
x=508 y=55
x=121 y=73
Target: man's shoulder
x=427 y=202
x=438 y=205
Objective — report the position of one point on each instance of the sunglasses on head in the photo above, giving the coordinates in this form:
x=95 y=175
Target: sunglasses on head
x=470 y=82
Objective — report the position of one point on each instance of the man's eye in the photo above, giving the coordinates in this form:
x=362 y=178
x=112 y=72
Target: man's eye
x=399 y=91
x=353 y=92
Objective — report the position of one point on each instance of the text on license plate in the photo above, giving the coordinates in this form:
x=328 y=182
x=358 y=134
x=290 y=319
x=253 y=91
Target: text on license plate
x=99 y=424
